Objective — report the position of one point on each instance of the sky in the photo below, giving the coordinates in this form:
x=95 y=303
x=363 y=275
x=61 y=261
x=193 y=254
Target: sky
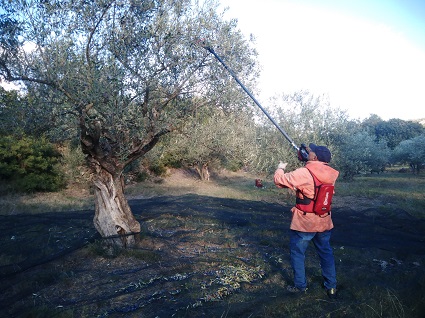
x=367 y=56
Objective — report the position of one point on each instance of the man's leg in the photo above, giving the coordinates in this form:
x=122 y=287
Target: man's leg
x=322 y=243
x=298 y=244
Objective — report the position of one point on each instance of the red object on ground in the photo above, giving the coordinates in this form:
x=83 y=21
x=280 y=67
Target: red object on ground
x=258 y=183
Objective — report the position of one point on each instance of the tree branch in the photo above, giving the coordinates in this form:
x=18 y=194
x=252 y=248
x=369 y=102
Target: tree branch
x=89 y=40
x=145 y=147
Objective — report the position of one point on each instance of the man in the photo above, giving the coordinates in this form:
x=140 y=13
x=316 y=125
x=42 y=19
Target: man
x=308 y=226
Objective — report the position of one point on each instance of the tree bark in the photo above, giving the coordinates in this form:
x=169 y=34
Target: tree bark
x=202 y=169
x=113 y=217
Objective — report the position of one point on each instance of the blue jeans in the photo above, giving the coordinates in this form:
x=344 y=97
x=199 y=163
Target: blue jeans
x=298 y=243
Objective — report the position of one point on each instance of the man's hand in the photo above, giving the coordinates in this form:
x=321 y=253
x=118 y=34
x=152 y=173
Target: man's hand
x=282 y=165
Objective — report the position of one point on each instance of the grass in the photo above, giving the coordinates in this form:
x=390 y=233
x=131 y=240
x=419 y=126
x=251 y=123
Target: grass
x=396 y=185
x=401 y=190
x=67 y=200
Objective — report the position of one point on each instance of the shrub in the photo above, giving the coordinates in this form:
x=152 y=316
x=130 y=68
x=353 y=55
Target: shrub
x=73 y=165
x=159 y=169
x=30 y=164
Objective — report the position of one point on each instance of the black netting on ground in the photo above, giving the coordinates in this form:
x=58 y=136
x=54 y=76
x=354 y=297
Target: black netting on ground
x=28 y=240
x=208 y=257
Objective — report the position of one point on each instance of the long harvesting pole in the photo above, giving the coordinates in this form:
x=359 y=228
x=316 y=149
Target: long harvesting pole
x=209 y=49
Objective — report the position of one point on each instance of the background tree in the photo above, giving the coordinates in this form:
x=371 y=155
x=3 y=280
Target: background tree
x=411 y=152
x=9 y=102
x=395 y=131
x=218 y=140
x=306 y=118
x=124 y=73
x=19 y=116
x=360 y=153
x=369 y=124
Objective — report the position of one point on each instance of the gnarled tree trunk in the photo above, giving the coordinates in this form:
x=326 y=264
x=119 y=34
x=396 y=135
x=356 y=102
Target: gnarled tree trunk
x=113 y=217
x=203 y=172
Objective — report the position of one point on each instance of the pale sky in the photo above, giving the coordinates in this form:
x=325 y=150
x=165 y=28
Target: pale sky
x=367 y=55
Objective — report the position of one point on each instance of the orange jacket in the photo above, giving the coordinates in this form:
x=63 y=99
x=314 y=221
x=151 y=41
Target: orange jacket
x=301 y=179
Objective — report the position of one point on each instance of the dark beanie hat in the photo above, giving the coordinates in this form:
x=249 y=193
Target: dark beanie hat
x=323 y=153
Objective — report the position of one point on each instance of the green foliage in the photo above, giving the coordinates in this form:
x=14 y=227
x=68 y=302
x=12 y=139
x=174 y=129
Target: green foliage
x=8 y=103
x=123 y=74
x=158 y=169
x=142 y=176
x=392 y=131
x=411 y=152
x=30 y=164
x=22 y=114
x=357 y=147
x=306 y=118
x=221 y=138
x=359 y=153
x=233 y=165
x=73 y=164
x=138 y=65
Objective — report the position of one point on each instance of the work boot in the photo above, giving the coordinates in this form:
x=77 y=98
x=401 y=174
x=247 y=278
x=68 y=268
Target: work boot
x=332 y=293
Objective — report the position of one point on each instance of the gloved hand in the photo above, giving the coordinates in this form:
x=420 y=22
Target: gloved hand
x=282 y=165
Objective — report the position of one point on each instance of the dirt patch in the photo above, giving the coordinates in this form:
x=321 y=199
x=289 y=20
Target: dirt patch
x=202 y=256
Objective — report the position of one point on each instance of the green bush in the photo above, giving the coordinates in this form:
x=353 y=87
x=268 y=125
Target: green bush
x=142 y=176
x=30 y=164
x=233 y=165
x=159 y=169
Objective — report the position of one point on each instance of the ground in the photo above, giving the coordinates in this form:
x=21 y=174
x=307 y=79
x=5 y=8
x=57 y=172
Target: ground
x=206 y=256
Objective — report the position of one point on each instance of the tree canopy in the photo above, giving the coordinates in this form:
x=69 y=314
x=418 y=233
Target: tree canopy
x=126 y=69
x=120 y=74
x=411 y=152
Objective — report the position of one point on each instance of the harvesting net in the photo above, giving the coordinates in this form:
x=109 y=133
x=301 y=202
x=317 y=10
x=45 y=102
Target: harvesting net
x=203 y=256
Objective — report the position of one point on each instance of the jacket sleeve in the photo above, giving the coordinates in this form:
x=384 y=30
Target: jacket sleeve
x=280 y=179
x=299 y=179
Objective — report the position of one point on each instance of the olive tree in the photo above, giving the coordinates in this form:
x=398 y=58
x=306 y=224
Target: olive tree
x=20 y=115
x=216 y=139
x=120 y=73
x=360 y=153
x=306 y=118
x=412 y=152
x=396 y=130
